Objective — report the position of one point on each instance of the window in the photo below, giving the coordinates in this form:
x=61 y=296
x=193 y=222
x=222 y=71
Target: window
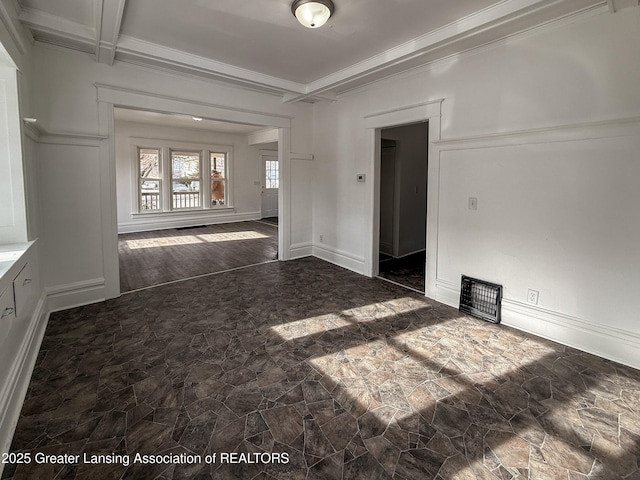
x=185 y=179
x=218 y=179
x=271 y=174
x=172 y=177
x=150 y=179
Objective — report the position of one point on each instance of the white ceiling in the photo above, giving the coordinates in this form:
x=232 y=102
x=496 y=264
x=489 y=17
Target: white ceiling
x=263 y=35
x=259 y=43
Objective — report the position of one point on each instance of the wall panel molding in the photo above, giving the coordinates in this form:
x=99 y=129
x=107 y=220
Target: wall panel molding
x=617 y=127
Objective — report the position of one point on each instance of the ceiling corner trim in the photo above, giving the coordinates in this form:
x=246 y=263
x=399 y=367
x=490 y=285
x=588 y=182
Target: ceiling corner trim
x=133 y=50
x=58 y=31
x=492 y=20
x=13 y=26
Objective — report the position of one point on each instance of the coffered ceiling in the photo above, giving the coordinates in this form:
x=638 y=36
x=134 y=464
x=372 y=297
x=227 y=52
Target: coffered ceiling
x=260 y=45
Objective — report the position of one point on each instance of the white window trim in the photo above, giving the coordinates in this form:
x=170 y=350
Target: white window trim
x=165 y=147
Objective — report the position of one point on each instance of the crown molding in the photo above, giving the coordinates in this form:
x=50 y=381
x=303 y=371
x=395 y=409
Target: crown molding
x=137 y=51
x=12 y=24
x=502 y=20
x=48 y=28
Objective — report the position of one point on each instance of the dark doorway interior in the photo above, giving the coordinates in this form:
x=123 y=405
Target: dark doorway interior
x=403 y=204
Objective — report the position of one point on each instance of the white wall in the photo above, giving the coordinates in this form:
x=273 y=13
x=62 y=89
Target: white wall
x=64 y=99
x=411 y=161
x=556 y=207
x=245 y=172
x=20 y=335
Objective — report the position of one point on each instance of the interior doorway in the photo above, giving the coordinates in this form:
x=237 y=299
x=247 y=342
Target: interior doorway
x=270 y=185
x=403 y=205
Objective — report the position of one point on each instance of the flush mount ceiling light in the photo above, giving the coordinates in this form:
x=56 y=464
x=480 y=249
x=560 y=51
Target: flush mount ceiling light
x=312 y=13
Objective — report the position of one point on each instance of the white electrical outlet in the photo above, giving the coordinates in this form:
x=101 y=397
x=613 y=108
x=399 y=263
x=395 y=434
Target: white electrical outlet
x=321 y=238
x=532 y=296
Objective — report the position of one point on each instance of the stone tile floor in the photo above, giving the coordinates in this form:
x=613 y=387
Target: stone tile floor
x=349 y=377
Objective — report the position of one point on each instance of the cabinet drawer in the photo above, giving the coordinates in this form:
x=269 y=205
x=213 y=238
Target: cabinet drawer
x=23 y=288
x=7 y=307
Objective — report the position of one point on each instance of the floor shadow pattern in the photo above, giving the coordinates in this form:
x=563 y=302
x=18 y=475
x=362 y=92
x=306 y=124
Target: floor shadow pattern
x=353 y=378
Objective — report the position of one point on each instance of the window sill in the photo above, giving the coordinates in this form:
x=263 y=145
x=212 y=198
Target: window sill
x=186 y=211
x=10 y=255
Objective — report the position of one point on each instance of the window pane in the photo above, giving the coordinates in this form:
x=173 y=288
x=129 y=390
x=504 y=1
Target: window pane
x=271 y=174
x=218 y=192
x=149 y=163
x=218 y=165
x=186 y=194
x=185 y=165
x=149 y=195
x=218 y=174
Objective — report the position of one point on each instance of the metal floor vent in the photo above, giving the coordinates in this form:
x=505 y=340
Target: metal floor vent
x=481 y=299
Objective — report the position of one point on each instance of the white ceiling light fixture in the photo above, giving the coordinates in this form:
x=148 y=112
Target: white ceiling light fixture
x=312 y=13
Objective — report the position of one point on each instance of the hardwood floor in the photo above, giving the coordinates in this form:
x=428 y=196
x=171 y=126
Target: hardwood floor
x=161 y=256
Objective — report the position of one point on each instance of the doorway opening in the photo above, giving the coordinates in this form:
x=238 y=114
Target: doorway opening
x=403 y=205
x=270 y=185
x=182 y=188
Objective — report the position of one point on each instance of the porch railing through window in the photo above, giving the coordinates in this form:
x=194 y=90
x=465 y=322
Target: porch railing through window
x=151 y=200
x=186 y=199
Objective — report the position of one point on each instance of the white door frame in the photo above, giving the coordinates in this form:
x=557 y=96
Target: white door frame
x=374 y=123
x=110 y=97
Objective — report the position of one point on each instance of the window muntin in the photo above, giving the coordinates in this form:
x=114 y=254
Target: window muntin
x=180 y=176
x=150 y=179
x=185 y=179
x=218 y=163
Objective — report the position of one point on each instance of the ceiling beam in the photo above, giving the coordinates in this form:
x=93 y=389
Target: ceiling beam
x=109 y=13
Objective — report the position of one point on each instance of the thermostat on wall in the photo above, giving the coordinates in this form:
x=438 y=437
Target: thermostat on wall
x=361 y=177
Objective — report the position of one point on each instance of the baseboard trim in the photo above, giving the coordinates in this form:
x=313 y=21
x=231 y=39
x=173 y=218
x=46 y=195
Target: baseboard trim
x=76 y=294
x=612 y=343
x=15 y=389
x=166 y=223
x=341 y=258
x=608 y=342
x=300 y=250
